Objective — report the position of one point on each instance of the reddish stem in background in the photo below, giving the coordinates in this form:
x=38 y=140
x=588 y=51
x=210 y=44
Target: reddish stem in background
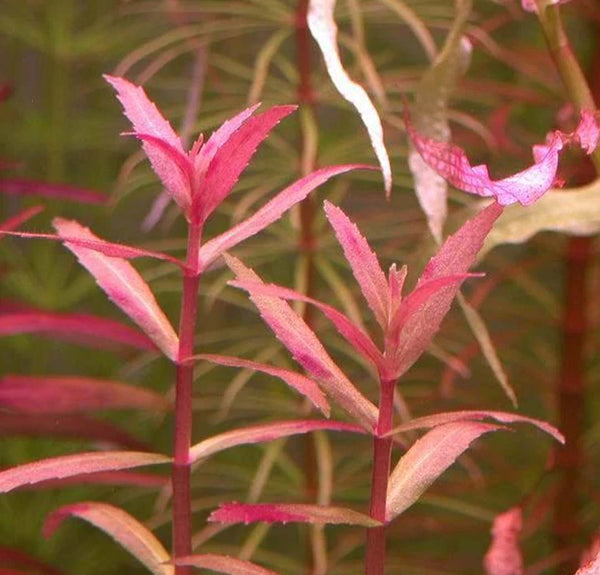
x=182 y=519
x=382 y=452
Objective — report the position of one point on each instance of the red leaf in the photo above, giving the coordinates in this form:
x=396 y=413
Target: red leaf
x=223 y=564
x=73 y=465
x=504 y=556
x=23 y=187
x=72 y=394
x=266 y=432
x=20 y=218
x=289 y=512
x=124 y=286
x=14 y=558
x=269 y=213
x=300 y=383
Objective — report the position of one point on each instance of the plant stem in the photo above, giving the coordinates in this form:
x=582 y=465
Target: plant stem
x=182 y=524
x=382 y=452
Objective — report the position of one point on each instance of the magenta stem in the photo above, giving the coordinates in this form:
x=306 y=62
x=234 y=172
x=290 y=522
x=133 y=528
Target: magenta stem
x=182 y=523
x=382 y=452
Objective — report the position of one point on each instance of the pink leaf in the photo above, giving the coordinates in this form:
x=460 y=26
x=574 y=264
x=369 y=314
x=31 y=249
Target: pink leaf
x=20 y=218
x=427 y=459
x=128 y=532
x=352 y=333
x=307 y=350
x=147 y=120
x=266 y=432
x=289 y=512
x=363 y=261
x=71 y=394
x=23 y=187
x=76 y=427
x=300 y=383
x=124 y=286
x=110 y=249
x=524 y=187
x=592 y=567
x=138 y=479
x=223 y=564
x=504 y=556
x=73 y=465
x=232 y=157
x=269 y=213
x=454 y=258
x=324 y=30
x=81 y=328
x=532 y=5
x=429 y=421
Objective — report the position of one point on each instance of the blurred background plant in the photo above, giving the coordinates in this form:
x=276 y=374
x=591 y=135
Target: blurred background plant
x=202 y=61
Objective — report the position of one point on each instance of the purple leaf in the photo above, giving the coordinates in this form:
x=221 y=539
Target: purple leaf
x=81 y=328
x=124 y=286
x=266 y=432
x=232 y=157
x=289 y=512
x=72 y=394
x=363 y=261
x=73 y=465
x=429 y=421
x=269 y=213
x=504 y=556
x=223 y=564
x=524 y=187
x=427 y=459
x=300 y=383
x=307 y=350
x=25 y=187
x=128 y=532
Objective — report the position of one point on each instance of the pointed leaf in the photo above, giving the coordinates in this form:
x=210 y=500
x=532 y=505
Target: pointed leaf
x=24 y=187
x=363 y=262
x=223 y=564
x=307 y=350
x=71 y=394
x=324 y=30
x=73 y=465
x=15 y=221
x=266 y=432
x=232 y=158
x=270 y=212
x=429 y=421
x=128 y=532
x=82 y=328
x=297 y=381
x=427 y=459
x=504 y=556
x=524 y=187
x=124 y=286
x=289 y=512
x=138 y=479
x=355 y=336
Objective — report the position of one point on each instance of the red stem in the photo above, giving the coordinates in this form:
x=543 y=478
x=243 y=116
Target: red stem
x=182 y=524
x=382 y=452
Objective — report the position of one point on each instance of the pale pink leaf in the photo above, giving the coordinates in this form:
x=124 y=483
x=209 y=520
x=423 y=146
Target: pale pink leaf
x=72 y=394
x=266 y=432
x=324 y=30
x=15 y=221
x=24 y=187
x=524 y=187
x=81 y=328
x=223 y=564
x=75 y=427
x=290 y=512
x=148 y=122
x=297 y=381
x=454 y=258
x=307 y=350
x=138 y=479
x=124 y=286
x=363 y=262
x=270 y=212
x=73 y=465
x=427 y=459
x=208 y=151
x=436 y=419
x=232 y=158
x=110 y=249
x=504 y=556
x=127 y=531
x=532 y=5
x=592 y=567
